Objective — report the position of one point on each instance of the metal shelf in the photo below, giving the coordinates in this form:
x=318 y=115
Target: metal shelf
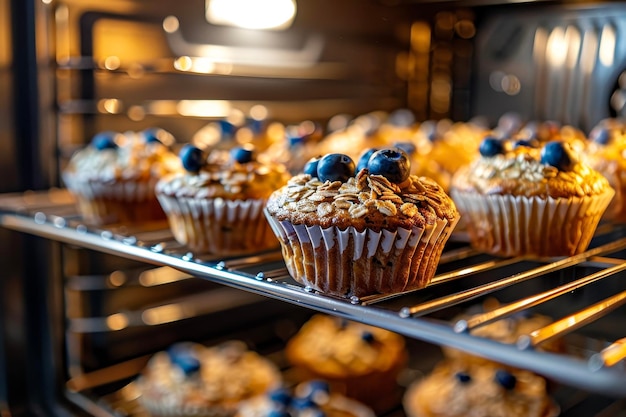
x=464 y=276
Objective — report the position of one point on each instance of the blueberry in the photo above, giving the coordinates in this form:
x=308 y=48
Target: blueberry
x=364 y=159
x=335 y=167
x=151 y=135
x=522 y=142
x=368 y=337
x=280 y=396
x=104 y=140
x=242 y=155
x=463 y=377
x=558 y=155
x=491 y=147
x=296 y=140
x=278 y=413
x=401 y=118
x=429 y=129
x=505 y=379
x=183 y=356
x=408 y=147
x=300 y=403
x=311 y=166
x=192 y=158
x=600 y=135
x=393 y=164
x=318 y=385
x=227 y=128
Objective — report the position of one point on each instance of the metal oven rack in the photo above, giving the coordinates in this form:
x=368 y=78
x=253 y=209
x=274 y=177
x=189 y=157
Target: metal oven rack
x=428 y=315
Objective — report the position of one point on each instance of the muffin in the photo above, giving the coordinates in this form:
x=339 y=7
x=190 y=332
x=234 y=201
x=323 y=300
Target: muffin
x=190 y=379
x=357 y=360
x=606 y=153
x=216 y=204
x=311 y=398
x=454 y=390
x=380 y=231
x=520 y=200
x=113 y=178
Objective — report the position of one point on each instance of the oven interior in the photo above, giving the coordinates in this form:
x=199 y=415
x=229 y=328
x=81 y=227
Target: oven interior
x=122 y=293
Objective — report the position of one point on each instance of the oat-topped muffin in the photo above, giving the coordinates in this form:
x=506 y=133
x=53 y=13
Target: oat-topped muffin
x=307 y=399
x=520 y=200
x=606 y=153
x=189 y=379
x=113 y=177
x=459 y=390
x=360 y=361
x=216 y=204
x=377 y=232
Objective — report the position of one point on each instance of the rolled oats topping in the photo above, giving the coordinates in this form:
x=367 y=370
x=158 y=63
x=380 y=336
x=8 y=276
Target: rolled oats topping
x=224 y=177
x=362 y=201
x=522 y=171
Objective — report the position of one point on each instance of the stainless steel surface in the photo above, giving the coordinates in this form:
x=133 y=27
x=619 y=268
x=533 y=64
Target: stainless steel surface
x=50 y=215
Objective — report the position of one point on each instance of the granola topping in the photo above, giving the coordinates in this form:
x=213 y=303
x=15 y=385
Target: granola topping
x=364 y=197
x=520 y=172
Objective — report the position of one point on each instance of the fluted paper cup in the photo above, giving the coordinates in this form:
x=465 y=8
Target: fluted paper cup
x=513 y=225
x=218 y=225
x=115 y=201
x=354 y=263
x=162 y=407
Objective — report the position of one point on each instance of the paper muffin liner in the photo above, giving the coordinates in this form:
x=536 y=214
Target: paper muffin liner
x=513 y=225
x=218 y=225
x=120 y=200
x=616 y=175
x=353 y=263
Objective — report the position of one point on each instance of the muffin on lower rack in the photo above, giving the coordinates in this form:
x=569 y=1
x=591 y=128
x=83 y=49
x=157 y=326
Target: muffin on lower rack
x=190 y=379
x=357 y=360
x=308 y=399
x=471 y=390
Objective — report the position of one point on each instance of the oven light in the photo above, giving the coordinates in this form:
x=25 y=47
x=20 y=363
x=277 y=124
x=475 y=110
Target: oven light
x=203 y=108
x=251 y=14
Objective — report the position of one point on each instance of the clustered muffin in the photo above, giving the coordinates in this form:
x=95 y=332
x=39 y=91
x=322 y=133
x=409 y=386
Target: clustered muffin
x=606 y=153
x=521 y=200
x=310 y=398
x=190 y=379
x=359 y=361
x=454 y=390
x=216 y=204
x=113 y=178
x=376 y=231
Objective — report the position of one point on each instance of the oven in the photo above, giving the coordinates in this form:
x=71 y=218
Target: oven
x=82 y=308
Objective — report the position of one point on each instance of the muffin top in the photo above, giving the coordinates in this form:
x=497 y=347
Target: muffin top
x=341 y=348
x=382 y=195
x=478 y=391
x=231 y=175
x=517 y=168
x=310 y=398
x=113 y=156
x=191 y=374
x=607 y=145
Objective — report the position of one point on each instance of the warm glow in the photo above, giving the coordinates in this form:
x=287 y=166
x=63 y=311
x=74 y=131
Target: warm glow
x=607 y=46
x=251 y=14
x=258 y=112
x=556 y=53
x=163 y=314
x=203 y=108
x=170 y=24
x=117 y=321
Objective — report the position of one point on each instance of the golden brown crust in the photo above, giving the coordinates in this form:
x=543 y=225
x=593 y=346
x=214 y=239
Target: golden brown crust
x=363 y=202
x=519 y=172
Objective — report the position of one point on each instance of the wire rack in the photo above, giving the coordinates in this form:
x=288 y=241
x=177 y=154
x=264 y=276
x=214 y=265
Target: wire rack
x=583 y=293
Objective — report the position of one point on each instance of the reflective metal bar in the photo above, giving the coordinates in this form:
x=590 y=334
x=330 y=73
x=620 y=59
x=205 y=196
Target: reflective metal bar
x=507 y=310
x=462 y=296
x=572 y=322
x=610 y=356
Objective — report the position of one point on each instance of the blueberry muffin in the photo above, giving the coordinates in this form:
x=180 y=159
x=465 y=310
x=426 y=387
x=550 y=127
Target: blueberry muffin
x=376 y=231
x=189 y=379
x=114 y=176
x=520 y=200
x=216 y=204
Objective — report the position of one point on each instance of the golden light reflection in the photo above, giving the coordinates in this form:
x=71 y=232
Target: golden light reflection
x=162 y=314
x=607 y=46
x=183 y=63
x=171 y=24
x=110 y=105
x=112 y=63
x=136 y=113
x=117 y=321
x=251 y=14
x=588 y=53
x=204 y=108
x=117 y=278
x=556 y=50
x=572 y=35
x=258 y=112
